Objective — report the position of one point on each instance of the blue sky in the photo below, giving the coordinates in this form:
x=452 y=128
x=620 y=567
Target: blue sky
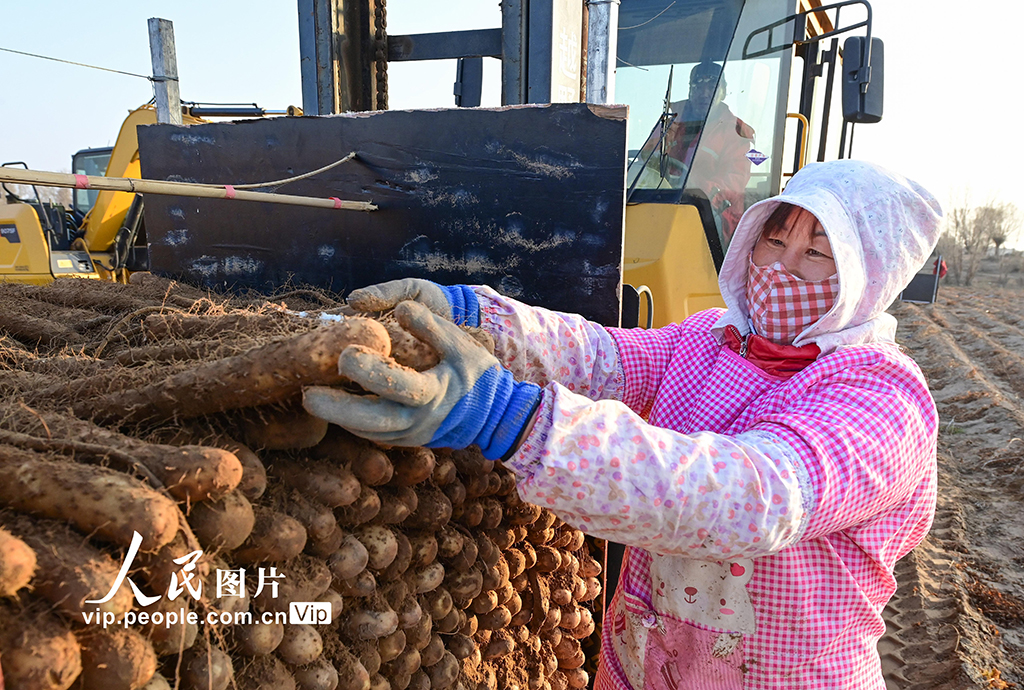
x=953 y=102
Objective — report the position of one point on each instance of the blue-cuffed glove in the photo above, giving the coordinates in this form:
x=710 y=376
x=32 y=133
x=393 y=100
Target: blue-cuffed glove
x=457 y=303
x=468 y=398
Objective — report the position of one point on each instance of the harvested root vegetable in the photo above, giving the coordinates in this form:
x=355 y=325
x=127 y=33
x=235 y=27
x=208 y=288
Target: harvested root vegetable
x=576 y=678
x=460 y=646
x=257 y=639
x=427 y=579
x=362 y=585
x=412 y=465
x=275 y=537
x=444 y=673
x=317 y=518
x=391 y=646
x=501 y=644
x=70 y=570
x=403 y=559
x=160 y=326
x=319 y=675
x=437 y=603
x=381 y=545
x=281 y=428
x=190 y=472
x=94 y=499
x=368 y=463
x=300 y=645
x=332 y=485
x=169 y=638
x=432 y=512
x=362 y=510
x=350 y=559
x=224 y=524
x=36 y=649
x=265 y=672
x=397 y=504
x=159 y=566
x=272 y=373
x=335 y=600
x=254 y=474
x=372 y=624
x=352 y=675
x=17 y=564
x=424 y=548
x=206 y=667
x=325 y=548
x=303 y=579
x=115 y=658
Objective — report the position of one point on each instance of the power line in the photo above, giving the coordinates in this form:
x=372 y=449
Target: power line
x=79 y=64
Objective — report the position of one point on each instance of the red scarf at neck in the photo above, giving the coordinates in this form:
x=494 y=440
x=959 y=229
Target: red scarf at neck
x=778 y=360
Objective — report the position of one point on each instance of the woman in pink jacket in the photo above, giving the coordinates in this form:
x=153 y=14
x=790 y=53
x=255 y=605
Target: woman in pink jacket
x=766 y=464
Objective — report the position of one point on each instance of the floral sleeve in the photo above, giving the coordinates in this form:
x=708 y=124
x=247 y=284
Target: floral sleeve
x=541 y=346
x=603 y=469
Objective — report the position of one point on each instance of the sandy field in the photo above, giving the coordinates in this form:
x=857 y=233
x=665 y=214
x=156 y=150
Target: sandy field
x=957 y=620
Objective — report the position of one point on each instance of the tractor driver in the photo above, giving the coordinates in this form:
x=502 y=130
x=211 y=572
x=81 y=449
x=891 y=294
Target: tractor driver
x=708 y=140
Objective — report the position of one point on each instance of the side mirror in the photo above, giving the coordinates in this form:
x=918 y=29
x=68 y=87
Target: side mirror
x=863 y=81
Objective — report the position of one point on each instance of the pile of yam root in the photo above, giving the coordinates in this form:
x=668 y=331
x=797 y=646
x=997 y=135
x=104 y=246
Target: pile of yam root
x=159 y=409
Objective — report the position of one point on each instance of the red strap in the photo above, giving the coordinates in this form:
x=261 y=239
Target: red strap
x=229 y=192
x=337 y=201
x=81 y=182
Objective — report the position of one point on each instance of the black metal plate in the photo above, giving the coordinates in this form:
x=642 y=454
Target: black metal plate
x=526 y=199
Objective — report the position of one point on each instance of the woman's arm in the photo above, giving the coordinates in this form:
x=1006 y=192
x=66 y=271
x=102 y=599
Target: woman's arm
x=540 y=346
x=842 y=453
x=544 y=346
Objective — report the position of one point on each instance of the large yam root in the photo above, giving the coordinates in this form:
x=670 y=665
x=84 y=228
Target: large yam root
x=37 y=651
x=223 y=524
x=93 y=499
x=115 y=658
x=190 y=472
x=17 y=564
x=275 y=537
x=282 y=428
x=269 y=374
x=70 y=570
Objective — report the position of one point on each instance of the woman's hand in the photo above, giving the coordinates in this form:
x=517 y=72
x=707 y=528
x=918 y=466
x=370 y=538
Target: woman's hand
x=456 y=303
x=468 y=398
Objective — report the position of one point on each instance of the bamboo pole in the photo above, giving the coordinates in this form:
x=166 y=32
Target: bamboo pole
x=128 y=184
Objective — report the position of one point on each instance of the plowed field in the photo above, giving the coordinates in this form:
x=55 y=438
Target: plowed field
x=957 y=620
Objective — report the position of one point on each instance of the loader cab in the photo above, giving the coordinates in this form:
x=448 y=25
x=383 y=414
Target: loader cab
x=727 y=99
x=88 y=162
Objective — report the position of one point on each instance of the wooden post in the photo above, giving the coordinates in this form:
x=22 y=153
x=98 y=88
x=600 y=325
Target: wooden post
x=165 y=71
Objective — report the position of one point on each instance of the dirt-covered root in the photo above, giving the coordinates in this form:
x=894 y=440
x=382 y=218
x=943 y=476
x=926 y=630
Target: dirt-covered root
x=70 y=569
x=17 y=563
x=96 y=500
x=272 y=373
x=190 y=473
x=115 y=658
x=37 y=650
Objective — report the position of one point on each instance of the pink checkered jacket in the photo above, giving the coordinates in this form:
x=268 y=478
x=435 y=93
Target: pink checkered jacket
x=763 y=516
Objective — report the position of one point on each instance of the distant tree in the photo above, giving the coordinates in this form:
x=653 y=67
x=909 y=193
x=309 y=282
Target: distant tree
x=971 y=230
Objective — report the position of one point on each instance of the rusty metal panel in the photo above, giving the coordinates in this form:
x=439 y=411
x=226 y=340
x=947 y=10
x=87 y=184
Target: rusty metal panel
x=527 y=199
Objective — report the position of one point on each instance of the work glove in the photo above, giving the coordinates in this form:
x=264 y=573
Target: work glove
x=468 y=398
x=457 y=303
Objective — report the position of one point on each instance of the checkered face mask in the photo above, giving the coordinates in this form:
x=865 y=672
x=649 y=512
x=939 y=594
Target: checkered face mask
x=781 y=305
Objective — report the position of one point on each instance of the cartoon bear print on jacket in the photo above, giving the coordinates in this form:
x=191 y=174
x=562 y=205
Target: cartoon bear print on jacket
x=705 y=648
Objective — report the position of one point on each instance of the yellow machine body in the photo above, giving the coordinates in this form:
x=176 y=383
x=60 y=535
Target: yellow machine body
x=25 y=250
x=666 y=250
x=25 y=254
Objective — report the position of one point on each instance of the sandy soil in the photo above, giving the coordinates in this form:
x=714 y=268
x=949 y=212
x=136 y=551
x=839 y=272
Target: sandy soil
x=957 y=620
